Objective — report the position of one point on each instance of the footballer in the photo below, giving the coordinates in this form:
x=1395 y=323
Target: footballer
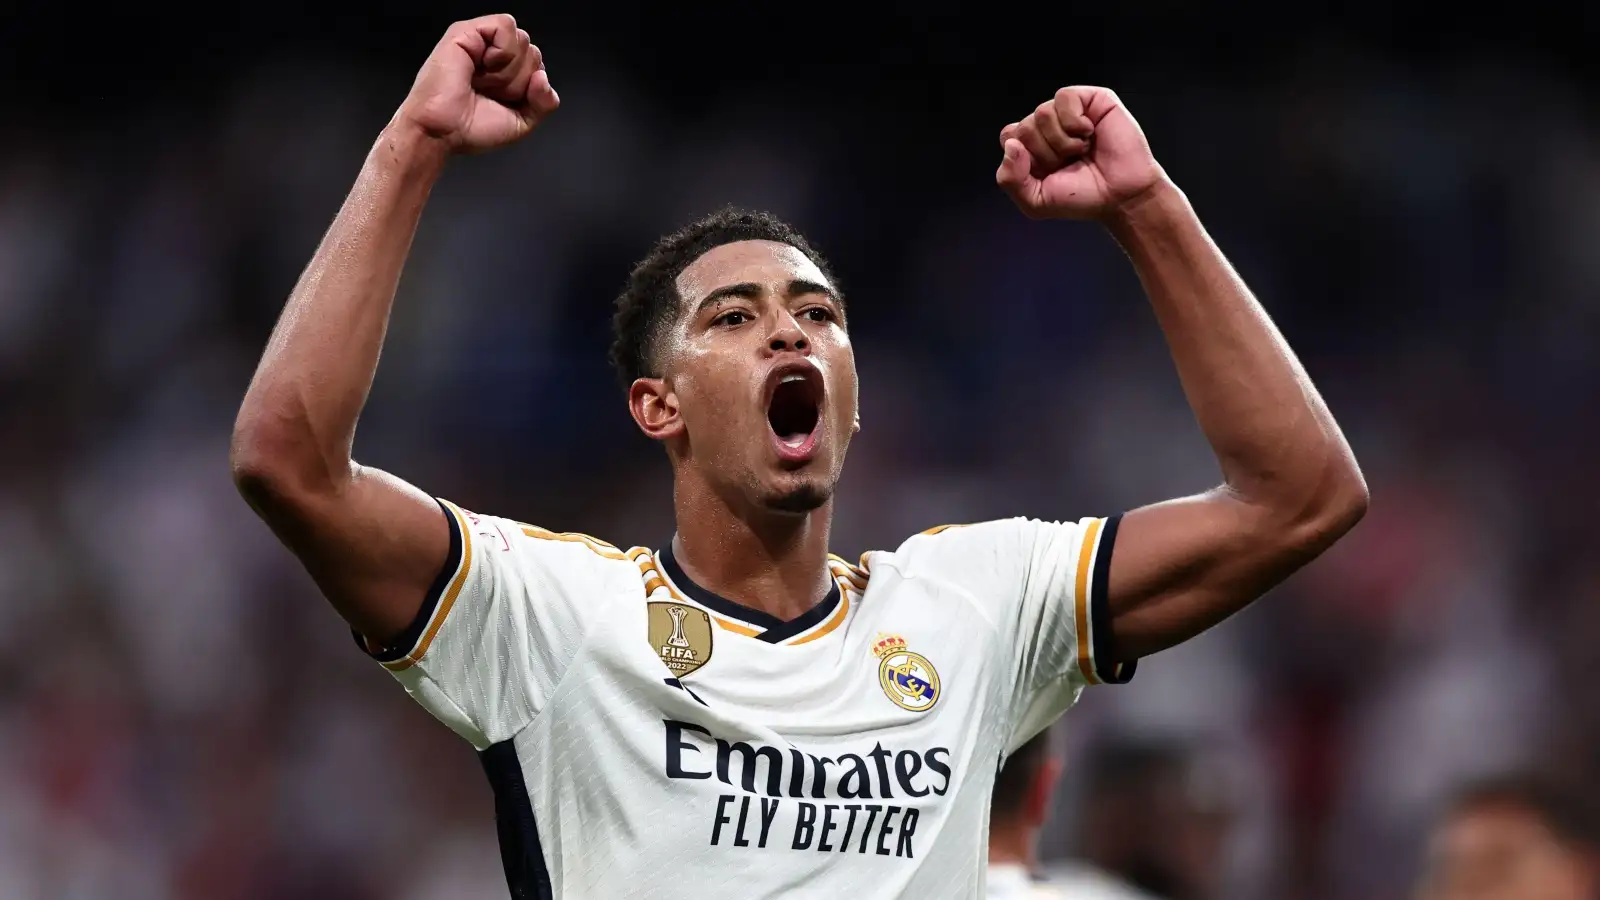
x=735 y=712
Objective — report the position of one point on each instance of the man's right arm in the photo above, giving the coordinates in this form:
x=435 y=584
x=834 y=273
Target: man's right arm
x=373 y=543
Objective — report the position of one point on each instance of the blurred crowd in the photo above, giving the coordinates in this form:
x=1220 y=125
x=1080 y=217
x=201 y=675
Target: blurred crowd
x=182 y=717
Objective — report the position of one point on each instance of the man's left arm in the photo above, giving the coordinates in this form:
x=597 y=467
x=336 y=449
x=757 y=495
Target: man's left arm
x=1291 y=484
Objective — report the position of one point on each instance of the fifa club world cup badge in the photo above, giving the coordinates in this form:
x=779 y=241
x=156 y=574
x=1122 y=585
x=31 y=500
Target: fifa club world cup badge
x=681 y=635
x=907 y=678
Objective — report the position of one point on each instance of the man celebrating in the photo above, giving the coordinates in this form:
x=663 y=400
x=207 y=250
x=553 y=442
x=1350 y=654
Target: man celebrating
x=736 y=713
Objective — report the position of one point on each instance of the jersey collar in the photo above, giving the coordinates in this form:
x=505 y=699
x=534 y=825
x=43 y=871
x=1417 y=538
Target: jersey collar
x=772 y=629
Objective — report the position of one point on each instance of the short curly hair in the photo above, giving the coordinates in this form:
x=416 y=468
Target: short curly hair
x=649 y=303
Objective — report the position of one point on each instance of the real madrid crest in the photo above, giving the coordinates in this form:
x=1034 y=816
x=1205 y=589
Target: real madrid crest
x=681 y=635
x=907 y=678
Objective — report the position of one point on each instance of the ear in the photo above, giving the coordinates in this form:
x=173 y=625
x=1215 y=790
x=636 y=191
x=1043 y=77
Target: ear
x=1042 y=791
x=855 y=427
x=654 y=408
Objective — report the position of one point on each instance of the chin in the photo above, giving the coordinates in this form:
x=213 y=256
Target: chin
x=799 y=498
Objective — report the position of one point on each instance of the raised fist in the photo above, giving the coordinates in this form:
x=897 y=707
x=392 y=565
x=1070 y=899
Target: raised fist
x=483 y=86
x=1078 y=156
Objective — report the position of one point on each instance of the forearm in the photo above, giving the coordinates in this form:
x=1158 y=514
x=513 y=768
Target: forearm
x=299 y=415
x=1292 y=485
x=1278 y=445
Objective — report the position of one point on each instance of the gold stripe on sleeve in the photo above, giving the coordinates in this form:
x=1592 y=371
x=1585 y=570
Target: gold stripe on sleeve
x=445 y=602
x=595 y=544
x=1081 y=623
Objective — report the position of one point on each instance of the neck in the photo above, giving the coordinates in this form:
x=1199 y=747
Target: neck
x=1010 y=843
x=774 y=562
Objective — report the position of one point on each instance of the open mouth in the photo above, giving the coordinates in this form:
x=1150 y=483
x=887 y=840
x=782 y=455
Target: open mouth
x=794 y=408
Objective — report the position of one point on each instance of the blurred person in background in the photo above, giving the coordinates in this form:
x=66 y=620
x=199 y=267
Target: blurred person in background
x=1156 y=817
x=731 y=340
x=1023 y=791
x=1515 y=837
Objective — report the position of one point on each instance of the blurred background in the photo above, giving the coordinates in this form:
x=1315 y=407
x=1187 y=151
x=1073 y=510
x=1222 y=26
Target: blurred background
x=1416 y=201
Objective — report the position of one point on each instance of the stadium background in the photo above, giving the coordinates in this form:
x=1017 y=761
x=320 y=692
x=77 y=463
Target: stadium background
x=1414 y=199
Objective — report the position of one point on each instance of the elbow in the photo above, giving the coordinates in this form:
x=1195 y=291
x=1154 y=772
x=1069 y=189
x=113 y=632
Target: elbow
x=1346 y=495
x=1354 y=499
x=1336 y=500
x=257 y=473
x=273 y=464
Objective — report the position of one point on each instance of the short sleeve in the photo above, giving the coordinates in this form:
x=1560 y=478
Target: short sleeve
x=500 y=624
x=1043 y=586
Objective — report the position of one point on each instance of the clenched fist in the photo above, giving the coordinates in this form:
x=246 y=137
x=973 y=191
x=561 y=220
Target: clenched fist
x=1078 y=156
x=483 y=86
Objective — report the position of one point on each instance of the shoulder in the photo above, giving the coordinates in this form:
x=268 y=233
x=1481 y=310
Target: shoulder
x=958 y=548
x=983 y=563
x=538 y=552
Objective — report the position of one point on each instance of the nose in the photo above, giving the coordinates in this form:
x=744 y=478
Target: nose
x=787 y=335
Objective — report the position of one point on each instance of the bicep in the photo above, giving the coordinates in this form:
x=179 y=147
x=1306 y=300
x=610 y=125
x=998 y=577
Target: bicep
x=374 y=547
x=1182 y=566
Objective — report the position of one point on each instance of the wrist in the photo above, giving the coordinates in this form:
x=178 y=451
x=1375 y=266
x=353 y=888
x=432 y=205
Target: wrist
x=411 y=150
x=1157 y=206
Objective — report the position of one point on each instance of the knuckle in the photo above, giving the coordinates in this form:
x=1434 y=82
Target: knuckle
x=1047 y=108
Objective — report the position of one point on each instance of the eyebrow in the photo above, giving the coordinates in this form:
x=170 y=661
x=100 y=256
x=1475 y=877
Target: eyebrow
x=749 y=290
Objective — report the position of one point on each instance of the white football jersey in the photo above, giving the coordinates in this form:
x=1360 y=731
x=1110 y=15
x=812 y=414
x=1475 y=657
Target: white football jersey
x=648 y=738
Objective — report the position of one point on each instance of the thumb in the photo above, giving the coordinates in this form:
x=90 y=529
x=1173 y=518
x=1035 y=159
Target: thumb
x=1015 y=170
